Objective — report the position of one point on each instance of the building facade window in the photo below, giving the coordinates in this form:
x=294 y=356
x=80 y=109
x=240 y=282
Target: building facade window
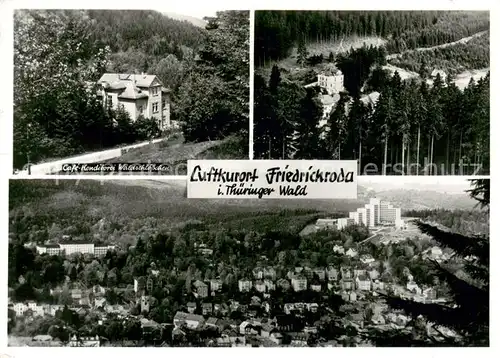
x=164 y=104
x=155 y=107
x=154 y=91
x=109 y=100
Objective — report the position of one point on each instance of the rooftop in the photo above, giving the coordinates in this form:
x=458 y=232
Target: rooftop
x=76 y=242
x=188 y=317
x=51 y=246
x=119 y=80
x=212 y=321
x=371 y=98
x=198 y=283
x=328 y=100
x=329 y=69
x=132 y=92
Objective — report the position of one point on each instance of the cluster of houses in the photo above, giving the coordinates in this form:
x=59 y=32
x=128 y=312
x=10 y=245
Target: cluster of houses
x=315 y=279
x=353 y=282
x=81 y=298
x=267 y=332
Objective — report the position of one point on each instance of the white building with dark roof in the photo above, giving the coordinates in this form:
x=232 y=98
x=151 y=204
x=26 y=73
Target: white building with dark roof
x=332 y=81
x=138 y=94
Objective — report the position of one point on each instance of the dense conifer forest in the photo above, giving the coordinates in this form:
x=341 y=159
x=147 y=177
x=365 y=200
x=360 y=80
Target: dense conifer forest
x=422 y=123
x=276 y=32
x=475 y=54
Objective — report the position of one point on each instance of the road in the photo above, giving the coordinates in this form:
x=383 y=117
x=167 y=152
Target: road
x=55 y=166
x=422 y=49
x=373 y=235
x=461 y=80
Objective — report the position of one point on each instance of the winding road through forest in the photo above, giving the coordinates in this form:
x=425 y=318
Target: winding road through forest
x=423 y=49
x=461 y=80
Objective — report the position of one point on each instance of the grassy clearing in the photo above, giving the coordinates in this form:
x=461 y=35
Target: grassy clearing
x=175 y=153
x=316 y=48
x=174 y=150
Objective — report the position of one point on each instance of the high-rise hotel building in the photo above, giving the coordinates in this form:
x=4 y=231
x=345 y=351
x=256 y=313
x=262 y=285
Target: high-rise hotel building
x=376 y=213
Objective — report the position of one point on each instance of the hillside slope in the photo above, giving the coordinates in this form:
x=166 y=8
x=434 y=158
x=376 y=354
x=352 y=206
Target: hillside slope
x=167 y=198
x=190 y=19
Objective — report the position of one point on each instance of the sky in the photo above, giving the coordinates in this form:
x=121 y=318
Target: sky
x=189 y=10
x=444 y=184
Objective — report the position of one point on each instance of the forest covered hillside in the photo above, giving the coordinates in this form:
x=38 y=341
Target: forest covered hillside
x=277 y=32
x=401 y=72
x=120 y=210
x=191 y=19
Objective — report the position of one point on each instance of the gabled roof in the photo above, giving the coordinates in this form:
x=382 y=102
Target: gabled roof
x=132 y=92
x=212 y=320
x=327 y=100
x=140 y=80
x=188 y=316
x=198 y=283
x=371 y=98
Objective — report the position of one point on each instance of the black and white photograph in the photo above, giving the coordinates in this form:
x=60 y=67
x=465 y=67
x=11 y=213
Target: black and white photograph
x=109 y=87
x=402 y=92
x=134 y=263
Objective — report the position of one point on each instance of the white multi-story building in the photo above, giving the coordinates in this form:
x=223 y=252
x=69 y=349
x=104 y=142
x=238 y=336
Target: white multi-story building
x=41 y=250
x=20 y=308
x=80 y=247
x=299 y=283
x=215 y=285
x=102 y=250
x=72 y=247
x=377 y=212
x=51 y=249
x=388 y=213
x=338 y=224
x=362 y=216
x=244 y=285
x=333 y=81
x=139 y=94
x=375 y=206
